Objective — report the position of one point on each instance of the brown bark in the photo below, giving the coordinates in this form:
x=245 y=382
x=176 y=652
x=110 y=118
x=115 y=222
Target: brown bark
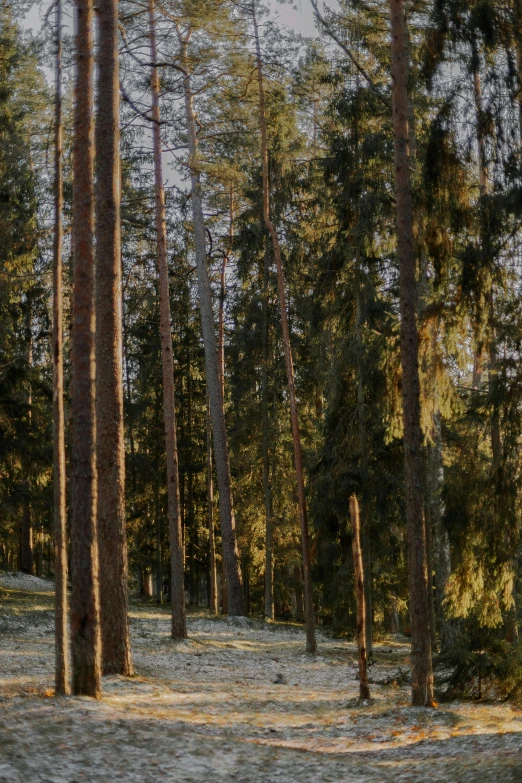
x=422 y=672
x=224 y=590
x=27 y=553
x=110 y=449
x=363 y=447
x=221 y=324
x=267 y=486
x=213 y=602
x=179 y=623
x=364 y=688
x=61 y=638
x=190 y=525
x=235 y=597
x=85 y=618
x=311 y=645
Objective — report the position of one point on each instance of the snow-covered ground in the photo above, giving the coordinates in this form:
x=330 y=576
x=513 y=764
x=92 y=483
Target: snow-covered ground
x=239 y=701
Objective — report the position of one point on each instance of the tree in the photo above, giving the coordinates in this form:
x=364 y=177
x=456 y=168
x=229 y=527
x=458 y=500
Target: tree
x=422 y=674
x=235 y=597
x=179 y=629
x=60 y=517
x=85 y=609
x=110 y=451
x=296 y=436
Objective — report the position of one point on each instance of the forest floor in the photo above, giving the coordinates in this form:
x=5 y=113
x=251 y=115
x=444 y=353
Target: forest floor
x=239 y=701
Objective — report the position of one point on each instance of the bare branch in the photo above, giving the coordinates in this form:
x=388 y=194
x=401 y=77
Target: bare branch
x=328 y=30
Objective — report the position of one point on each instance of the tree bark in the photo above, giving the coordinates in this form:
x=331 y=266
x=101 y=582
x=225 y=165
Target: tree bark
x=190 y=526
x=364 y=688
x=85 y=616
x=213 y=603
x=422 y=671
x=27 y=552
x=110 y=449
x=267 y=486
x=179 y=623
x=235 y=597
x=311 y=645
x=363 y=447
x=61 y=634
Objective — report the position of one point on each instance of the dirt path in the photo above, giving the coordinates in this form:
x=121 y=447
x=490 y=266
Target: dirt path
x=239 y=701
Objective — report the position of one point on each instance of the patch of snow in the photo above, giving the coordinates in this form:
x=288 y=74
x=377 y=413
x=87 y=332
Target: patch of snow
x=19 y=581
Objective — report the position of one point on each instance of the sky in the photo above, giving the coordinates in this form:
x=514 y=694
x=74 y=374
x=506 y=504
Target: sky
x=297 y=15
x=299 y=18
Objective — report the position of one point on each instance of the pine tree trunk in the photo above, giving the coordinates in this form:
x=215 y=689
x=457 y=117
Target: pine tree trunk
x=61 y=631
x=235 y=597
x=27 y=532
x=422 y=672
x=364 y=688
x=159 y=569
x=190 y=527
x=221 y=325
x=363 y=448
x=179 y=623
x=85 y=614
x=441 y=548
x=213 y=602
x=267 y=486
x=110 y=449
x=311 y=645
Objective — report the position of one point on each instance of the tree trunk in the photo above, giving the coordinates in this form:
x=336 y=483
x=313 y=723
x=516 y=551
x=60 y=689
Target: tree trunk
x=299 y=603
x=213 y=598
x=159 y=568
x=363 y=448
x=267 y=486
x=236 y=602
x=85 y=614
x=311 y=645
x=27 y=532
x=441 y=548
x=221 y=324
x=224 y=591
x=422 y=672
x=190 y=526
x=179 y=623
x=110 y=448
x=364 y=688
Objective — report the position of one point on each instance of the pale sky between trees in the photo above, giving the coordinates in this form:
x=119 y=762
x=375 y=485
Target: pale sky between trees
x=299 y=18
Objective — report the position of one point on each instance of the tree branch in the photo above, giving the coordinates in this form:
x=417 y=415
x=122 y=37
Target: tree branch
x=328 y=30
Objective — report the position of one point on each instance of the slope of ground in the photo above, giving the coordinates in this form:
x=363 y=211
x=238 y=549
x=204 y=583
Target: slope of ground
x=239 y=701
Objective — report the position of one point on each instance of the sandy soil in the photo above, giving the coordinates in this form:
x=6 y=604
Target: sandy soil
x=239 y=701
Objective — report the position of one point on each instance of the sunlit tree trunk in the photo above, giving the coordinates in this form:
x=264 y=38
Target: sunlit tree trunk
x=422 y=672
x=311 y=645
x=61 y=632
x=210 y=500
x=364 y=688
x=110 y=449
x=85 y=619
x=179 y=624
x=363 y=448
x=267 y=485
x=235 y=597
